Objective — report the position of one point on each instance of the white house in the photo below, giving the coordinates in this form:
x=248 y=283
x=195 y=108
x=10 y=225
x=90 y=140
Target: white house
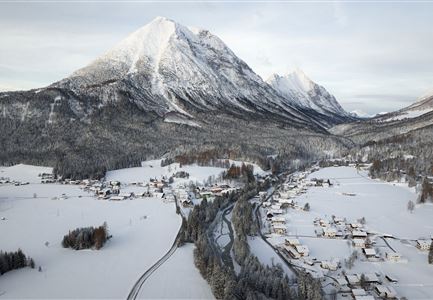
x=385 y=291
x=329 y=232
x=359 y=243
x=423 y=244
x=393 y=256
x=292 y=242
x=279 y=229
x=278 y=220
x=291 y=252
x=302 y=250
x=369 y=252
x=359 y=234
x=329 y=265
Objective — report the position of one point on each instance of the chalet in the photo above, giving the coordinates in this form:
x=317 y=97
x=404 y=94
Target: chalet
x=126 y=195
x=279 y=229
x=278 y=220
x=371 y=278
x=323 y=223
x=329 y=265
x=359 y=234
x=114 y=183
x=292 y=242
x=423 y=245
x=329 y=232
x=358 y=243
x=341 y=281
x=116 y=198
x=302 y=250
x=273 y=212
x=393 y=256
x=369 y=252
x=338 y=221
x=353 y=279
x=358 y=292
x=355 y=225
x=386 y=292
x=291 y=252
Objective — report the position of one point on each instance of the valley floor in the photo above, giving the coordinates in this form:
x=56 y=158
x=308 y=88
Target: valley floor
x=353 y=196
x=35 y=217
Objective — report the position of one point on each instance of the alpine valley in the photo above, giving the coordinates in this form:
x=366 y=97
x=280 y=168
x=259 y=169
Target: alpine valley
x=168 y=169
x=168 y=90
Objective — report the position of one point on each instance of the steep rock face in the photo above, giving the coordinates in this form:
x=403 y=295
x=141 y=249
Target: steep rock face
x=301 y=91
x=164 y=89
x=166 y=67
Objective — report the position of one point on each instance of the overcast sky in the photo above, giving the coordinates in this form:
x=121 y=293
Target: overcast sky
x=373 y=56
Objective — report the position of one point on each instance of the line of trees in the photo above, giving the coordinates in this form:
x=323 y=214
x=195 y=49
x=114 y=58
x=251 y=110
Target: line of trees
x=86 y=238
x=430 y=254
x=255 y=280
x=244 y=171
x=14 y=260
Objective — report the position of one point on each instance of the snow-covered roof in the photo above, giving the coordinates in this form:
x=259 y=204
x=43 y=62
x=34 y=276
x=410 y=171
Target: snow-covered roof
x=369 y=251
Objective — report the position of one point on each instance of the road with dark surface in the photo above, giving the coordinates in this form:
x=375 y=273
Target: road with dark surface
x=137 y=286
x=135 y=291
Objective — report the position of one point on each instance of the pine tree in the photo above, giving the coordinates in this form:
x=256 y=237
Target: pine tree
x=430 y=254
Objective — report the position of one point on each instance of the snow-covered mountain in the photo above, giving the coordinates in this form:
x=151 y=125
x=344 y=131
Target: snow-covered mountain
x=306 y=93
x=422 y=106
x=169 y=68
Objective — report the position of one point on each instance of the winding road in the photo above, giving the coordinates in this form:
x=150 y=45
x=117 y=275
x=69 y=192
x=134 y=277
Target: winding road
x=133 y=294
x=135 y=291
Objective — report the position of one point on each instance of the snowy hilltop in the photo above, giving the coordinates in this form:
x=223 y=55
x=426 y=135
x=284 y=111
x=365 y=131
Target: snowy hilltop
x=182 y=70
x=306 y=93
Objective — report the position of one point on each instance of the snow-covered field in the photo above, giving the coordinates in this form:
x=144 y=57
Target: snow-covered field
x=384 y=205
x=143 y=229
x=178 y=278
x=152 y=169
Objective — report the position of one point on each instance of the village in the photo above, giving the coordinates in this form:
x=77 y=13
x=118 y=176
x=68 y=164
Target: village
x=364 y=245
x=163 y=188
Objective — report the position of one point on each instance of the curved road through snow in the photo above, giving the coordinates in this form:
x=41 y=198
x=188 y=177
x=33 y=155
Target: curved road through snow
x=133 y=294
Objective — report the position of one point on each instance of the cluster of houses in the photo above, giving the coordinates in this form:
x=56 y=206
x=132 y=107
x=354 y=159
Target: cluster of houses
x=215 y=190
x=294 y=249
x=183 y=196
x=339 y=228
x=47 y=178
x=112 y=190
x=356 y=284
x=6 y=180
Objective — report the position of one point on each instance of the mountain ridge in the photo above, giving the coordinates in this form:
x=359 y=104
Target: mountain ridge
x=306 y=93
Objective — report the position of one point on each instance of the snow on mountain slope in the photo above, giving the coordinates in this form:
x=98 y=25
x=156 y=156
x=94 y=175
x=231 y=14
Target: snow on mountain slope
x=308 y=94
x=421 y=107
x=167 y=67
